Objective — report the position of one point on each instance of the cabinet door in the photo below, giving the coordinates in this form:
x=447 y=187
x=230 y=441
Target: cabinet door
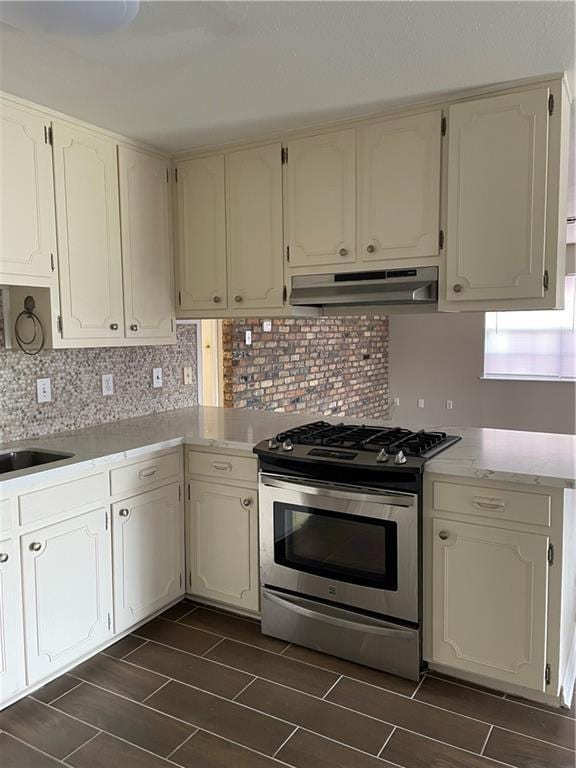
x=11 y=630
x=146 y=244
x=254 y=228
x=27 y=225
x=88 y=217
x=489 y=604
x=399 y=188
x=223 y=543
x=148 y=553
x=67 y=582
x=321 y=202
x=201 y=234
x=497 y=165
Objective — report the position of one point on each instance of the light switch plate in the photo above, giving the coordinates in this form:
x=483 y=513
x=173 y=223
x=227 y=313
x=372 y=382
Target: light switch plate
x=420 y=403
x=396 y=401
x=187 y=375
x=156 y=377
x=248 y=338
x=107 y=384
x=43 y=391
x=267 y=326
x=449 y=405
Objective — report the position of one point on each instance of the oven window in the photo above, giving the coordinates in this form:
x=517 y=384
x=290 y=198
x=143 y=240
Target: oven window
x=358 y=550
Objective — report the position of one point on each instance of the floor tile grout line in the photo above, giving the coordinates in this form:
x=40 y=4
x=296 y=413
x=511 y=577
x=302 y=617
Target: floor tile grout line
x=486 y=740
x=213 y=647
x=334 y=684
x=69 y=755
x=464 y=684
x=244 y=689
x=285 y=741
x=121 y=658
x=287 y=649
x=62 y=694
x=37 y=749
x=534 y=705
x=342 y=706
x=176 y=621
x=164 y=684
x=383 y=747
x=194 y=732
x=415 y=691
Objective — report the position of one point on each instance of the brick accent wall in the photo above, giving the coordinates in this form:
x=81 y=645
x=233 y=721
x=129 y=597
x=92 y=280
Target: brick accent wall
x=330 y=366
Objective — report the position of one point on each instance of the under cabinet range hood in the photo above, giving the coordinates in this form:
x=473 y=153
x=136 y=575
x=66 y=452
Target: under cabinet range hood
x=390 y=286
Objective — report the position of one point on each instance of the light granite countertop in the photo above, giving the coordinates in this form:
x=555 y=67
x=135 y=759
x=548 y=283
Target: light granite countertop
x=521 y=457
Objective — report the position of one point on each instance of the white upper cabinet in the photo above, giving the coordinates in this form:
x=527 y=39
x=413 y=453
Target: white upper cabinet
x=88 y=218
x=254 y=228
x=399 y=188
x=201 y=234
x=321 y=200
x=146 y=244
x=27 y=227
x=490 y=597
x=497 y=185
x=67 y=586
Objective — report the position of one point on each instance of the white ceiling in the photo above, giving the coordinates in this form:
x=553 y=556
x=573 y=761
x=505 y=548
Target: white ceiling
x=190 y=74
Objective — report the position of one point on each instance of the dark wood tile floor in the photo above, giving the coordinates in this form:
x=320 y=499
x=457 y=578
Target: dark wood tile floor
x=199 y=688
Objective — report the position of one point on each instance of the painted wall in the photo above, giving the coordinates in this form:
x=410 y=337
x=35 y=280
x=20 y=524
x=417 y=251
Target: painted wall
x=75 y=376
x=440 y=357
x=336 y=366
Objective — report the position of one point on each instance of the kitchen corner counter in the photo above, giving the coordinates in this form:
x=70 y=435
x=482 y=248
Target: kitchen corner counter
x=512 y=456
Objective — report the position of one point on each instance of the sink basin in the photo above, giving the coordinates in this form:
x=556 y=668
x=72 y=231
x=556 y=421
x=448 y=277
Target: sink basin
x=15 y=460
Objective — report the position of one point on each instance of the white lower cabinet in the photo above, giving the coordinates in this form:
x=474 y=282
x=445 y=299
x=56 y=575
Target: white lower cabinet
x=490 y=601
x=148 y=552
x=11 y=631
x=223 y=544
x=67 y=588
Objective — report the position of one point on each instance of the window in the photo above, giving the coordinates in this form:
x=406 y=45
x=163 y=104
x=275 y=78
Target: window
x=533 y=345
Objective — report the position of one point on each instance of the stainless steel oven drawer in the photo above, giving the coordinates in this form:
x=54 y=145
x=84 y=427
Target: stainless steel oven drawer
x=339 y=632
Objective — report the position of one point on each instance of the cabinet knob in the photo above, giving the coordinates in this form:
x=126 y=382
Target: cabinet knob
x=457 y=288
x=370 y=248
x=444 y=535
x=237 y=299
x=216 y=299
x=3 y=557
x=124 y=512
x=35 y=546
x=114 y=326
x=133 y=327
x=343 y=252
x=246 y=502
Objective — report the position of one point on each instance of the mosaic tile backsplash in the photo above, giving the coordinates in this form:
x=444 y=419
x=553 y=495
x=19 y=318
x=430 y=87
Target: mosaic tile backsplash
x=75 y=375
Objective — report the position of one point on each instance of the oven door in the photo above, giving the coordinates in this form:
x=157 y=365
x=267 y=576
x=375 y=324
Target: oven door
x=357 y=547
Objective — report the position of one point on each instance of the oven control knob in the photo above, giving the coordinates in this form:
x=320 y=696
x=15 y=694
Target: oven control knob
x=288 y=445
x=400 y=458
x=273 y=444
x=382 y=456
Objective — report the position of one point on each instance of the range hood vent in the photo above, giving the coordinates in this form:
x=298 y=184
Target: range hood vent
x=390 y=286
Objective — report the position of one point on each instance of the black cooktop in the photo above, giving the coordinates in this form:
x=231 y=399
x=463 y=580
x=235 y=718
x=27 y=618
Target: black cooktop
x=421 y=444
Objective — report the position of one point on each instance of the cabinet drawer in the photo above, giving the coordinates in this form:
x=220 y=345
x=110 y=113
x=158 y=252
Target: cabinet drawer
x=485 y=501
x=5 y=515
x=221 y=466
x=61 y=498
x=145 y=473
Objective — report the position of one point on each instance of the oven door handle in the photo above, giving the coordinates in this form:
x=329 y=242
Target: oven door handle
x=290 y=605
x=337 y=491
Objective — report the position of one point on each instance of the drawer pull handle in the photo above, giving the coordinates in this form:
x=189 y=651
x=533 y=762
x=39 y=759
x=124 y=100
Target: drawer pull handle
x=444 y=535
x=124 y=512
x=484 y=503
x=35 y=546
x=148 y=472
x=343 y=252
x=114 y=326
x=3 y=557
x=370 y=248
x=246 y=502
x=222 y=466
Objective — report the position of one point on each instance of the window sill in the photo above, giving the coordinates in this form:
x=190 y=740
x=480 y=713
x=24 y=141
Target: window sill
x=548 y=379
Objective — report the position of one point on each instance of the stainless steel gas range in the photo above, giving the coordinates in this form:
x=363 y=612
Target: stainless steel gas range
x=340 y=540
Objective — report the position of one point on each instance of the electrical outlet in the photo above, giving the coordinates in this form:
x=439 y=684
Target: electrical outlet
x=248 y=338
x=43 y=391
x=420 y=403
x=396 y=401
x=187 y=375
x=449 y=405
x=267 y=326
x=156 y=377
x=107 y=384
